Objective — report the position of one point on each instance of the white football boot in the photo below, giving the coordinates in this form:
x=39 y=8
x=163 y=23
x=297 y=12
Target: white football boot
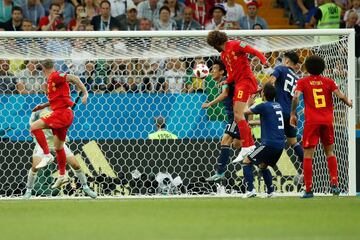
x=250 y=194
x=243 y=153
x=46 y=159
x=61 y=180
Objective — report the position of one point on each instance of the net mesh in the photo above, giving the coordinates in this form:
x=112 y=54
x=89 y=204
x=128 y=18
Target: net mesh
x=132 y=82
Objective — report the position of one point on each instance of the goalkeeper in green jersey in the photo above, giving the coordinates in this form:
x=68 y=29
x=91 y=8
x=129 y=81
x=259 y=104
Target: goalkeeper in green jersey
x=36 y=158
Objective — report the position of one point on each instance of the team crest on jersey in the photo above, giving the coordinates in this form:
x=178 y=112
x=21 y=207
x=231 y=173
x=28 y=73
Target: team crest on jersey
x=243 y=45
x=62 y=74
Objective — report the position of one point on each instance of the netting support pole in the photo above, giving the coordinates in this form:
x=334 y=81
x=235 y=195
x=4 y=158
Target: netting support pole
x=352 y=116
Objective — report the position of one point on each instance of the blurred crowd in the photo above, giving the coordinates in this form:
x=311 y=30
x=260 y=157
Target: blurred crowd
x=143 y=75
x=127 y=15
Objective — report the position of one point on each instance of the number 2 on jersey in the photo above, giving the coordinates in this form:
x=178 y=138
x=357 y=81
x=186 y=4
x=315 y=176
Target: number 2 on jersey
x=319 y=98
x=289 y=85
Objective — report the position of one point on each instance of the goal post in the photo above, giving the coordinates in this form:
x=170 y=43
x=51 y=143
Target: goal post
x=136 y=77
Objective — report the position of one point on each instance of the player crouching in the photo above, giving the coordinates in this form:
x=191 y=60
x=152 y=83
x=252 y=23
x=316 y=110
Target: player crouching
x=37 y=156
x=272 y=141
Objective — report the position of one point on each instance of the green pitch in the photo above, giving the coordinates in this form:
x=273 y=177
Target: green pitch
x=278 y=218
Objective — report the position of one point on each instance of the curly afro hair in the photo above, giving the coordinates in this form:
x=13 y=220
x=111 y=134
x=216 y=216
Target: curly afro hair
x=315 y=65
x=216 y=39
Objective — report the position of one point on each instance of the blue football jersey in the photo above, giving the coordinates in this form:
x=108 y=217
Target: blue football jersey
x=228 y=102
x=285 y=85
x=272 y=124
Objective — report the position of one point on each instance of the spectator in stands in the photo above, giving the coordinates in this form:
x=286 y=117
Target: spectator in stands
x=31 y=80
x=49 y=23
x=188 y=23
x=175 y=76
x=130 y=22
x=145 y=24
x=5 y=13
x=308 y=10
x=351 y=22
x=77 y=22
x=14 y=24
x=201 y=10
x=146 y=86
x=355 y=8
x=120 y=7
x=27 y=25
x=296 y=13
x=325 y=16
x=7 y=80
x=67 y=11
x=91 y=8
x=149 y=9
x=252 y=18
x=33 y=10
x=79 y=54
x=176 y=9
x=161 y=132
x=164 y=22
x=104 y=21
x=218 y=13
x=136 y=2
x=89 y=77
x=234 y=12
x=131 y=86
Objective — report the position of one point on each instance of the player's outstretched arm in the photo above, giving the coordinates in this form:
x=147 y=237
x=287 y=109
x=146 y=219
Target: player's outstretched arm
x=294 y=104
x=343 y=98
x=248 y=49
x=76 y=80
x=219 y=98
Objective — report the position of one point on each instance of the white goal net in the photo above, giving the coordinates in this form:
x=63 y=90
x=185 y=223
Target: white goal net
x=136 y=79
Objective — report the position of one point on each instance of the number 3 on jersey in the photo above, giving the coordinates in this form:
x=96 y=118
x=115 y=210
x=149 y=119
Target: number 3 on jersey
x=319 y=98
x=281 y=119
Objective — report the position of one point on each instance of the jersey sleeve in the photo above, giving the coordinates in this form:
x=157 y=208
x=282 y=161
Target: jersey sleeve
x=257 y=109
x=277 y=72
x=224 y=86
x=60 y=78
x=299 y=86
x=244 y=47
x=333 y=85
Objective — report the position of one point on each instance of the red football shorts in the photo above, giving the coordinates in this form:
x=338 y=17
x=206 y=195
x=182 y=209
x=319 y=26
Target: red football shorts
x=59 y=121
x=312 y=133
x=244 y=88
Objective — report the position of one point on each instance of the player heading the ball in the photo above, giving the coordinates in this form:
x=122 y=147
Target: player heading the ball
x=58 y=93
x=317 y=91
x=234 y=54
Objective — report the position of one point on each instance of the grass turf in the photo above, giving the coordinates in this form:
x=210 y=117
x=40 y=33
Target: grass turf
x=215 y=218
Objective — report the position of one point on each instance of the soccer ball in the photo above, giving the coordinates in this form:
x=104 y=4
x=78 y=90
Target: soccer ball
x=201 y=71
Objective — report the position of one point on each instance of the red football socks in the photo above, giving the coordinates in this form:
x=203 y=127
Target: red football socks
x=308 y=174
x=332 y=165
x=245 y=133
x=61 y=159
x=41 y=139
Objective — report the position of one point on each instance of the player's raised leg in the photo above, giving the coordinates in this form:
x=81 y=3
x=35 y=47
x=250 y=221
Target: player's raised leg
x=245 y=132
x=36 y=130
x=59 y=140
